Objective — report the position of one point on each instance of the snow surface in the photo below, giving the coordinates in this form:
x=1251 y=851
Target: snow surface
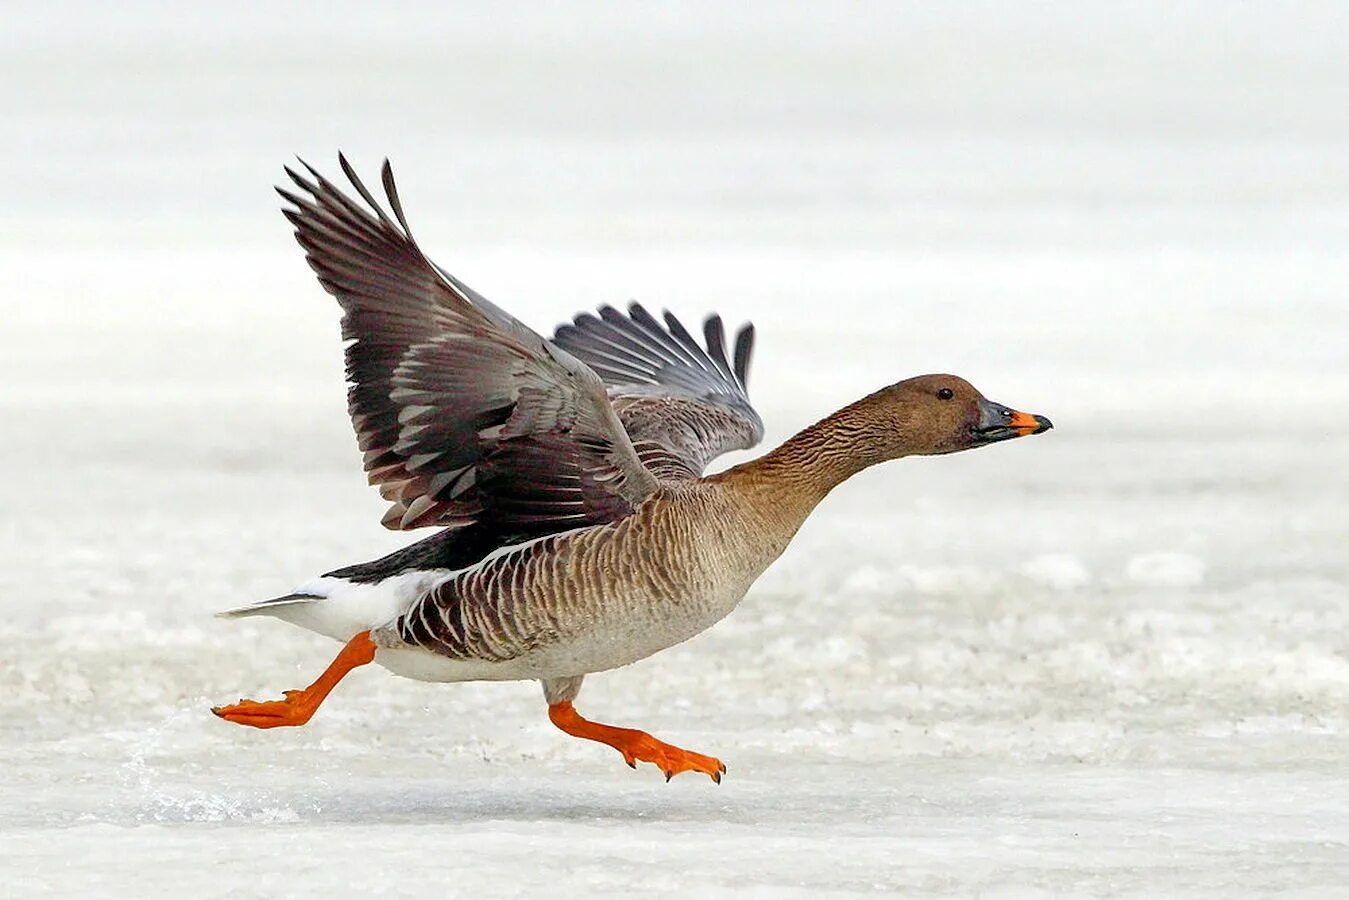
x=1113 y=659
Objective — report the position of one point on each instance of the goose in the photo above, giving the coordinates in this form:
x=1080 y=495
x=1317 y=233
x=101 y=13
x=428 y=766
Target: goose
x=577 y=532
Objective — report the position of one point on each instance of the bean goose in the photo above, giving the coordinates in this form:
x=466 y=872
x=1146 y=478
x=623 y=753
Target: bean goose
x=577 y=532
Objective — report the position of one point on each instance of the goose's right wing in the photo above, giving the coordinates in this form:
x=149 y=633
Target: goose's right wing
x=682 y=404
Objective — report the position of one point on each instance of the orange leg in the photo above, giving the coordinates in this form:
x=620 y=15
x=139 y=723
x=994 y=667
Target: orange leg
x=635 y=745
x=299 y=706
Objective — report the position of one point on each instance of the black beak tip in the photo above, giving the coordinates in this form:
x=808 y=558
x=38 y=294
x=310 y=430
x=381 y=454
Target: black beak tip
x=1044 y=424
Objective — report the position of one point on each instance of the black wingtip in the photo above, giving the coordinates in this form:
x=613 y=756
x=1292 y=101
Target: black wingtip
x=682 y=336
x=313 y=172
x=637 y=312
x=744 y=349
x=715 y=335
x=350 y=171
x=299 y=180
x=391 y=191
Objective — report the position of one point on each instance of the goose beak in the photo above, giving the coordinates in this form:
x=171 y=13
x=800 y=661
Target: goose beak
x=1000 y=423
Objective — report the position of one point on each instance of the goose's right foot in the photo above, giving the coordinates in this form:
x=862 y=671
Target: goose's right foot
x=636 y=746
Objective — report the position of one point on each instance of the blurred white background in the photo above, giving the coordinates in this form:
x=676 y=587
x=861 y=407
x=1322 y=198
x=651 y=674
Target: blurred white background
x=1113 y=658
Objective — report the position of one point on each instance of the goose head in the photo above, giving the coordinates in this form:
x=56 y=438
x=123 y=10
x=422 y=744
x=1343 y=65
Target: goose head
x=936 y=414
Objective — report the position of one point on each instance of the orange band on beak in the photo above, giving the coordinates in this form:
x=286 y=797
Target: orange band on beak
x=1024 y=423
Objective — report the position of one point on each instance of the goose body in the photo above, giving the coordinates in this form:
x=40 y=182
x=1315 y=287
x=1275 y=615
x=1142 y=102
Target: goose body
x=577 y=531
x=563 y=605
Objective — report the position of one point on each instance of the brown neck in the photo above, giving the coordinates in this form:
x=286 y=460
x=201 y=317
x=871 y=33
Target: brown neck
x=799 y=474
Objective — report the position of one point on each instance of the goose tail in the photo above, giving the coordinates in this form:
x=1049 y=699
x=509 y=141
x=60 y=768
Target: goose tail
x=272 y=607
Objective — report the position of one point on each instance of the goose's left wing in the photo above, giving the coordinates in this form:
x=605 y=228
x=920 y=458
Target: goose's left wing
x=682 y=403
x=466 y=417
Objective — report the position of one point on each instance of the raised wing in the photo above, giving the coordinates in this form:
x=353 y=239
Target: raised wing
x=682 y=404
x=464 y=414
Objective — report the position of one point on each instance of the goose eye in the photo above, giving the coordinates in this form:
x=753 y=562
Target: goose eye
x=945 y=394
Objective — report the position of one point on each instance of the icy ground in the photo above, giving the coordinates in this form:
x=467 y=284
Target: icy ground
x=1113 y=659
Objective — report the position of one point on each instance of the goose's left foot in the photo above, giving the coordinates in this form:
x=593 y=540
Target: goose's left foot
x=300 y=706
x=636 y=746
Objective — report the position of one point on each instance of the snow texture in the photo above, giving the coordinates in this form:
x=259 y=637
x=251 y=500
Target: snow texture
x=1113 y=659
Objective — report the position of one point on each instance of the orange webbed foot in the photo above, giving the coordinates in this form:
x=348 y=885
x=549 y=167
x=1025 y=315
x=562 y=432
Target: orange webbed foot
x=297 y=709
x=299 y=706
x=671 y=760
x=636 y=746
